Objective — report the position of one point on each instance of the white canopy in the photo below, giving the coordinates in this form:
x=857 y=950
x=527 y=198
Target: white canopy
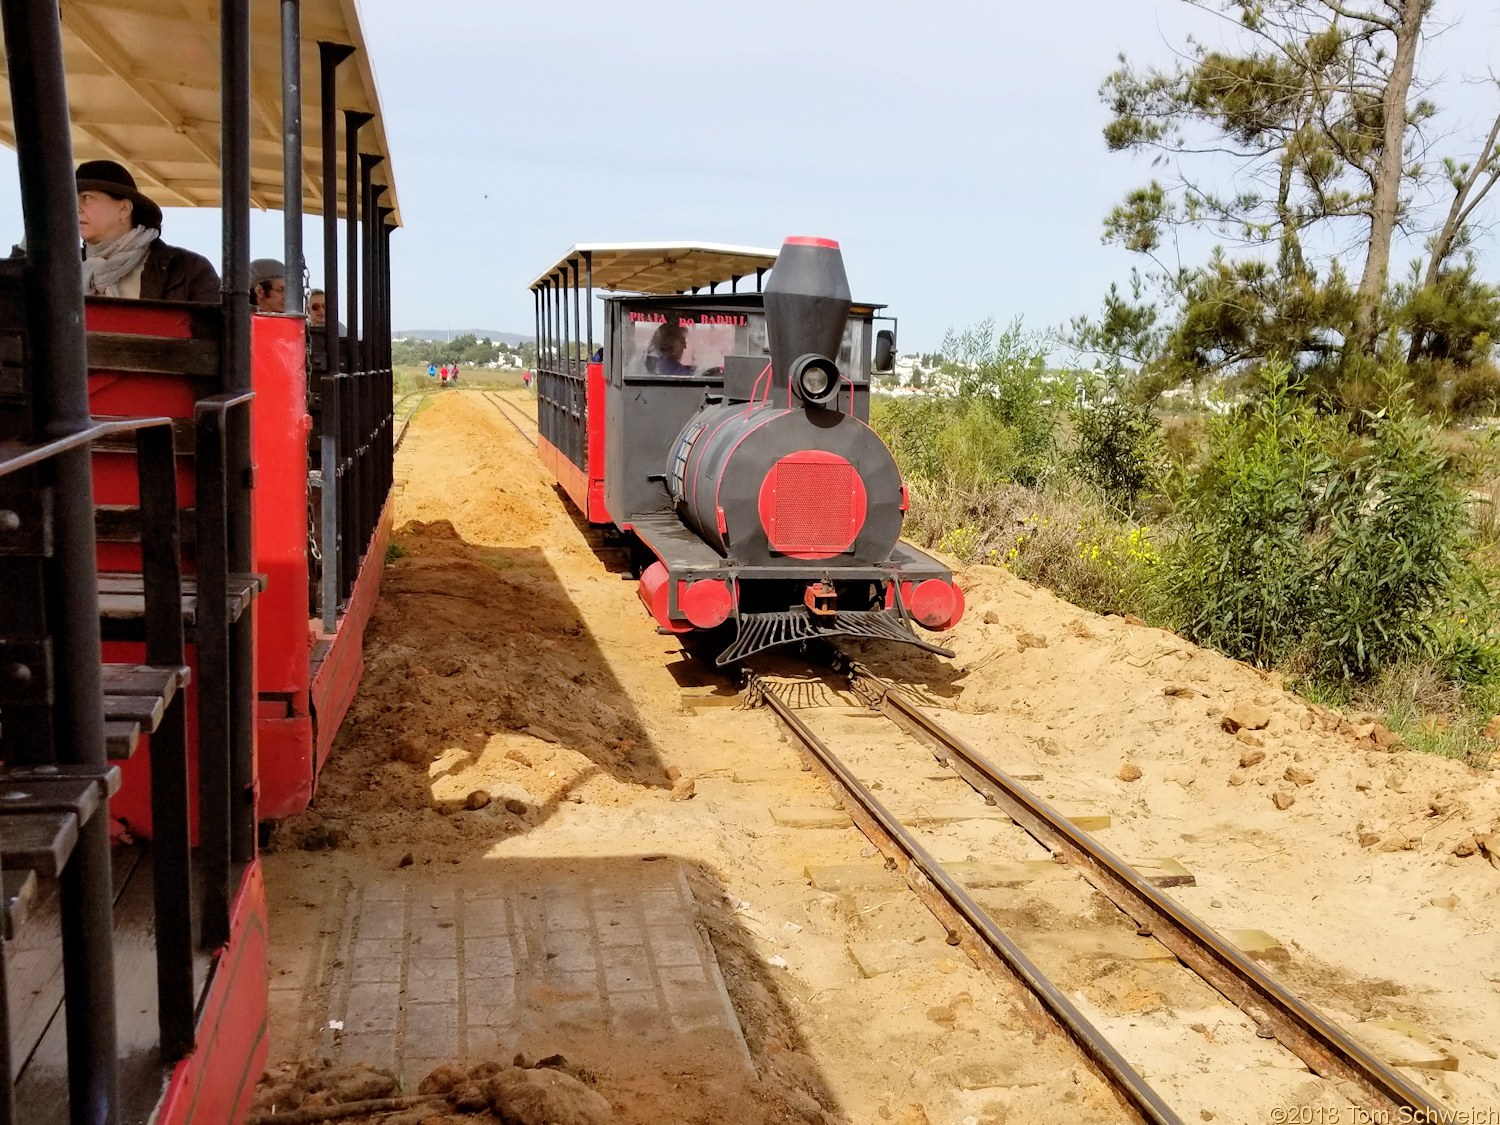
x=143 y=89
x=661 y=267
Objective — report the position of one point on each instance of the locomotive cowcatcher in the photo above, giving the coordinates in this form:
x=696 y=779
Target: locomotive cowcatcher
x=727 y=435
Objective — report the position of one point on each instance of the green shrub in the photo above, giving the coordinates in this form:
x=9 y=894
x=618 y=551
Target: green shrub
x=1476 y=391
x=1238 y=575
x=1116 y=442
x=1392 y=562
x=1298 y=538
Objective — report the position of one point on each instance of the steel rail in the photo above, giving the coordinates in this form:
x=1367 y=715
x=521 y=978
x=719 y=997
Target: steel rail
x=948 y=898
x=494 y=400
x=1324 y=1046
x=410 y=414
x=532 y=418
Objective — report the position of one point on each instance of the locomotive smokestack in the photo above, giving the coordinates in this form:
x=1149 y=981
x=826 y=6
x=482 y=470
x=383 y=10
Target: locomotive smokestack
x=807 y=304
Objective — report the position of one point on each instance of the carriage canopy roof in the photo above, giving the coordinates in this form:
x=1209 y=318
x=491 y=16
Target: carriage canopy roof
x=143 y=89
x=662 y=267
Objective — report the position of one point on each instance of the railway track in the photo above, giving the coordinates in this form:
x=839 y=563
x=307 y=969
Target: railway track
x=1275 y=1013
x=506 y=410
x=411 y=412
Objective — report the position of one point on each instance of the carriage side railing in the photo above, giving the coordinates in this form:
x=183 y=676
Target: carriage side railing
x=356 y=410
x=39 y=782
x=562 y=408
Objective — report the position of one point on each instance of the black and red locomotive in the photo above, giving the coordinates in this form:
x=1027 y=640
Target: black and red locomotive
x=727 y=434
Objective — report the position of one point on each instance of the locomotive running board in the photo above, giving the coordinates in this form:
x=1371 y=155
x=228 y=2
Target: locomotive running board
x=760 y=631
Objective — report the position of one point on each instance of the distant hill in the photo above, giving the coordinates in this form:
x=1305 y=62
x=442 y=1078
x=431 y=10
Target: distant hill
x=443 y=335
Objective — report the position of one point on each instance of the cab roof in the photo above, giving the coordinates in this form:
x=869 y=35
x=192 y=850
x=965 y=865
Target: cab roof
x=661 y=268
x=143 y=89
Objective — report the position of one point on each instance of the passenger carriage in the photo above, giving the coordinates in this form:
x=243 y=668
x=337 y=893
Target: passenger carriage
x=193 y=516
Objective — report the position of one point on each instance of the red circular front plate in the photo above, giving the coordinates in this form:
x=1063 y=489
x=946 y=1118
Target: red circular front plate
x=812 y=505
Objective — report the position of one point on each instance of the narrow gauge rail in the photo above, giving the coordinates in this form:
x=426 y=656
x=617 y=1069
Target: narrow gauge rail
x=1322 y=1045
x=494 y=400
x=411 y=412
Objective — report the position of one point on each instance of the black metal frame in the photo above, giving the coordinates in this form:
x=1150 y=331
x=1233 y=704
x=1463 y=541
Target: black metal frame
x=563 y=354
x=353 y=408
x=55 y=359
x=45 y=435
x=291 y=154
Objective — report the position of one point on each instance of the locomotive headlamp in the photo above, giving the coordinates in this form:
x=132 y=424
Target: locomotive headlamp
x=815 y=378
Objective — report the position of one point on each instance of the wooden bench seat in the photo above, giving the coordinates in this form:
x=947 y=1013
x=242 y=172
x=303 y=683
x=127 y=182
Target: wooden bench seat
x=42 y=809
x=40 y=842
x=135 y=698
x=122 y=600
x=121 y=737
x=121 y=523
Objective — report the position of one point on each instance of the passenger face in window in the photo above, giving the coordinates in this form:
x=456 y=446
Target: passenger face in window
x=102 y=217
x=270 y=296
x=667 y=353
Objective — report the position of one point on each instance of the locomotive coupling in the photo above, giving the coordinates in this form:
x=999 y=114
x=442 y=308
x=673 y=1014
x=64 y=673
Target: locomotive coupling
x=821 y=597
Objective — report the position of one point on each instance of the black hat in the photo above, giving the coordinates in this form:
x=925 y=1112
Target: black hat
x=113 y=180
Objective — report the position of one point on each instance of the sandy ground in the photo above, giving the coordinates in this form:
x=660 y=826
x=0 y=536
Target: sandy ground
x=510 y=656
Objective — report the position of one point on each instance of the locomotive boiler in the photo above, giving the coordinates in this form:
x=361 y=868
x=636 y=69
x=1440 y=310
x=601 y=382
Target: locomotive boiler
x=727 y=436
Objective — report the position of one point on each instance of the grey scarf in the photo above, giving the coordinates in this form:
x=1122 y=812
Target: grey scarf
x=107 y=263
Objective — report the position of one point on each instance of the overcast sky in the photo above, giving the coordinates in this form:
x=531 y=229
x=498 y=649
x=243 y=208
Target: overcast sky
x=953 y=148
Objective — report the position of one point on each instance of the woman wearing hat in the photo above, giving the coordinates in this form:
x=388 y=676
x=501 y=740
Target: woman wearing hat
x=123 y=254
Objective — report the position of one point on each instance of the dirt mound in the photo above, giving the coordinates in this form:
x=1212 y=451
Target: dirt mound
x=482 y=690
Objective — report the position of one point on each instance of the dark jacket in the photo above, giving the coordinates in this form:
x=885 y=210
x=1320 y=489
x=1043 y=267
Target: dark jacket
x=174 y=274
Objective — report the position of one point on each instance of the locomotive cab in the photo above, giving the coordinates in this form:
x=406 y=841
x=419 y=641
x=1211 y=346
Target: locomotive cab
x=735 y=451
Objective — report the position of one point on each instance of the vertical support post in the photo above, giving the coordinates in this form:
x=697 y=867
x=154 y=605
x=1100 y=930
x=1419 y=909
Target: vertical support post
x=215 y=663
x=588 y=269
x=7 y=1083
x=351 y=391
x=386 y=231
x=374 y=381
x=171 y=840
x=734 y=282
x=329 y=57
x=57 y=365
x=566 y=364
x=583 y=356
x=562 y=319
x=383 y=330
x=369 y=196
x=291 y=154
x=760 y=272
x=536 y=326
x=354 y=120
x=234 y=43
